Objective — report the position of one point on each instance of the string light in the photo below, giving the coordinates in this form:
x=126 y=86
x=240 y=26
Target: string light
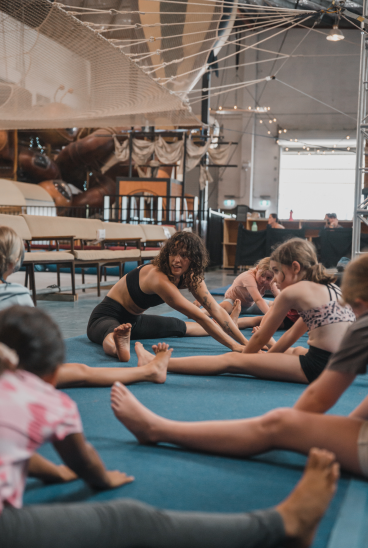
x=235 y=107
x=307 y=148
x=220 y=108
x=270 y=121
x=280 y=131
x=274 y=120
x=286 y=149
x=348 y=136
x=304 y=147
x=260 y=122
x=348 y=148
x=268 y=132
x=285 y=130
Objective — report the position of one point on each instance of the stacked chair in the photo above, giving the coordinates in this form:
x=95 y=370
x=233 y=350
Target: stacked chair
x=88 y=241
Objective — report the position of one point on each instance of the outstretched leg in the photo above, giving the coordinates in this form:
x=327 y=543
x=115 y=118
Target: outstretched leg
x=79 y=374
x=281 y=367
x=279 y=429
x=117 y=344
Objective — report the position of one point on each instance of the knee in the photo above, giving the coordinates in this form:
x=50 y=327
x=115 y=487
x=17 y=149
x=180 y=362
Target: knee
x=275 y=421
x=82 y=371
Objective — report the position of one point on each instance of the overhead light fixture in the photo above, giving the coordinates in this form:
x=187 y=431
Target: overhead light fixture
x=280 y=131
x=235 y=107
x=260 y=122
x=285 y=130
x=307 y=148
x=348 y=148
x=269 y=133
x=304 y=147
x=335 y=34
x=296 y=140
x=274 y=120
x=220 y=108
x=270 y=121
x=286 y=148
x=333 y=152
x=348 y=136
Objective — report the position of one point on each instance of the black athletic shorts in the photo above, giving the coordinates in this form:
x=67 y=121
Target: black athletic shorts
x=287 y=324
x=314 y=362
x=110 y=314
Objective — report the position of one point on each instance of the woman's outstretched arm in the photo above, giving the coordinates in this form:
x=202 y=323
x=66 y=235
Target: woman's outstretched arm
x=172 y=296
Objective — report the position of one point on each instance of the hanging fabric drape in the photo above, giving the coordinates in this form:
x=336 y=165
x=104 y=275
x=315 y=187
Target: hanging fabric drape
x=204 y=177
x=167 y=153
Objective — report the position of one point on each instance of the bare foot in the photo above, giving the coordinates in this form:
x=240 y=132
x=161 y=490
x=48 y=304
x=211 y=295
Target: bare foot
x=139 y=420
x=122 y=341
x=197 y=303
x=303 y=509
x=143 y=355
x=157 y=368
x=236 y=311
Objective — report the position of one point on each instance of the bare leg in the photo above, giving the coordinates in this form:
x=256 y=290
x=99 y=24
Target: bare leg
x=236 y=311
x=78 y=374
x=117 y=344
x=303 y=509
x=279 y=429
x=47 y=471
x=250 y=321
x=195 y=330
x=281 y=367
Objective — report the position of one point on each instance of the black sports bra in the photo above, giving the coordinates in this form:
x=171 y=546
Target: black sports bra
x=141 y=299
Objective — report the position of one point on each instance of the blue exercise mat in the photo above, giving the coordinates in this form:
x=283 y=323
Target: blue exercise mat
x=169 y=477
x=220 y=290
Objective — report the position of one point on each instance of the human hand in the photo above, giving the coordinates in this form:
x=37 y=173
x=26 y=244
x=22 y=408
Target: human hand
x=238 y=348
x=115 y=478
x=8 y=358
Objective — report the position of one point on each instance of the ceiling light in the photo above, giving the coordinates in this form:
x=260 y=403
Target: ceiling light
x=268 y=132
x=335 y=34
x=298 y=152
x=249 y=108
x=268 y=108
x=285 y=130
x=304 y=147
x=209 y=108
x=334 y=146
x=220 y=108
x=324 y=152
x=290 y=139
x=274 y=119
x=333 y=152
x=277 y=142
x=286 y=148
x=317 y=151
x=260 y=122
x=280 y=131
x=307 y=148
x=235 y=107
x=348 y=148
x=348 y=136
x=270 y=121
x=296 y=140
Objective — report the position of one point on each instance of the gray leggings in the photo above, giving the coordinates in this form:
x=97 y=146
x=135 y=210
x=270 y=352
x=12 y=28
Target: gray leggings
x=128 y=523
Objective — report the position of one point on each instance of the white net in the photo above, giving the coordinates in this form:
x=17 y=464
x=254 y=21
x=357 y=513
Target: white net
x=56 y=72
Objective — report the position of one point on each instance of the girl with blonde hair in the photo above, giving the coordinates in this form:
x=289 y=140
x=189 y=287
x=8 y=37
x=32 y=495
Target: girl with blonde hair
x=306 y=287
x=305 y=425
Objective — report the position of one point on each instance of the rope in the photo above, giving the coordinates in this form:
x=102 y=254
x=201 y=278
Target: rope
x=314 y=99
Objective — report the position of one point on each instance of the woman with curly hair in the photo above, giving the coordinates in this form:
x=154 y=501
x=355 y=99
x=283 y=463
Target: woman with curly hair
x=179 y=265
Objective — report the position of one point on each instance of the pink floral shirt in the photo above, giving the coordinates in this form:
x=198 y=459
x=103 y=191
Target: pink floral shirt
x=32 y=412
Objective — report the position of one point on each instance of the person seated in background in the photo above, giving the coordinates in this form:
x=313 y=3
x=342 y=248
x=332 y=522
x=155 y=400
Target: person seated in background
x=273 y=221
x=332 y=221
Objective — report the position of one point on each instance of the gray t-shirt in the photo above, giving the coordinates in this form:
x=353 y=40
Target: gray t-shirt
x=352 y=355
x=11 y=294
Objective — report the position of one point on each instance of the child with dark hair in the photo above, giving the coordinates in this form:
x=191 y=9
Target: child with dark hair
x=32 y=412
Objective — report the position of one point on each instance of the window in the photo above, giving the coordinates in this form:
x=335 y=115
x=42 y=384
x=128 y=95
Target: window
x=315 y=184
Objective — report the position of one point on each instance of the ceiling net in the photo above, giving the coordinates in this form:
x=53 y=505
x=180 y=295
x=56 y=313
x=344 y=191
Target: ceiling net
x=56 y=72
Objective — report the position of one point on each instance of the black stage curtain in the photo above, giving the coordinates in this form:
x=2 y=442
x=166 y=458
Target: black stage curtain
x=276 y=236
x=250 y=247
x=335 y=243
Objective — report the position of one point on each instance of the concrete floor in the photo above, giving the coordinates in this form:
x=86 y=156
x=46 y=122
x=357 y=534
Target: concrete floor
x=72 y=317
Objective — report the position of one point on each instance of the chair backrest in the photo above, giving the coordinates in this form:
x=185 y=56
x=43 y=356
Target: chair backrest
x=154 y=233
x=48 y=228
x=18 y=224
x=86 y=229
x=121 y=231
